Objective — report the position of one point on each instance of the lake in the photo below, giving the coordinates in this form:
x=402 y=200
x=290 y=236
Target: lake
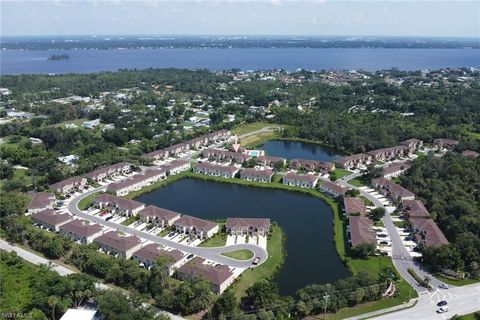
x=85 y=61
x=306 y=222
x=302 y=150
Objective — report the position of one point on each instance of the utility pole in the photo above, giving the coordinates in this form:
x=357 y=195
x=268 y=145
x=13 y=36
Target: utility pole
x=325 y=298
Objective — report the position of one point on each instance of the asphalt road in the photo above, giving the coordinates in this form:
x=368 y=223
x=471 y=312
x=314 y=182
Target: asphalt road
x=213 y=253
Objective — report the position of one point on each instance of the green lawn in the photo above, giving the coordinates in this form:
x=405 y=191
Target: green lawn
x=471 y=316
x=358 y=182
x=366 y=201
x=20 y=176
x=78 y=122
x=249 y=127
x=16 y=290
x=340 y=173
x=266 y=270
x=218 y=240
x=164 y=232
x=86 y=202
x=239 y=254
x=130 y=220
x=460 y=282
x=258 y=139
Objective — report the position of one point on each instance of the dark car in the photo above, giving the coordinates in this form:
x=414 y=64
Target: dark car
x=108 y=218
x=190 y=256
x=382 y=235
x=442 y=303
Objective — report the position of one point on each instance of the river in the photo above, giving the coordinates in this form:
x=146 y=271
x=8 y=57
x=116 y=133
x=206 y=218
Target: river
x=85 y=61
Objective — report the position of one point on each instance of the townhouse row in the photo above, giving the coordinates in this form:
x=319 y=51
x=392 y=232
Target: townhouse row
x=179 y=148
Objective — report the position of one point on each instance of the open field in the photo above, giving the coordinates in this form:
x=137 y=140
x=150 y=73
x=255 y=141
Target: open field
x=258 y=139
x=340 y=173
x=358 y=182
x=218 y=240
x=249 y=127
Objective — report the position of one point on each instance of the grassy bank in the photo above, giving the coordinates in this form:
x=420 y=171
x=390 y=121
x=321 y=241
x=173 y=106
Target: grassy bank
x=250 y=127
x=258 y=139
x=239 y=254
x=156 y=185
x=276 y=257
x=87 y=202
x=358 y=182
x=218 y=240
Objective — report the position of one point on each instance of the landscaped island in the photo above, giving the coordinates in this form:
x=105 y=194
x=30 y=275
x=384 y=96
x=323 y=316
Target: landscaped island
x=57 y=57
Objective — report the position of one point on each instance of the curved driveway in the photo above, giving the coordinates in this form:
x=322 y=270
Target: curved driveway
x=209 y=253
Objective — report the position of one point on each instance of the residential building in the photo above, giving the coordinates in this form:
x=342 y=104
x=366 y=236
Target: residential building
x=300 y=180
x=470 y=154
x=271 y=161
x=137 y=182
x=158 y=216
x=414 y=209
x=251 y=174
x=353 y=161
x=311 y=165
x=219 y=276
x=41 y=201
x=195 y=227
x=361 y=231
x=395 y=169
x=389 y=153
x=157 y=155
x=67 y=186
x=81 y=230
x=69 y=160
x=428 y=233
x=392 y=190
x=91 y=124
x=248 y=226
x=353 y=206
x=115 y=243
x=216 y=170
x=333 y=189
x=111 y=171
x=51 y=219
x=149 y=254
x=118 y=205
x=177 y=166
x=81 y=314
x=445 y=143
x=412 y=144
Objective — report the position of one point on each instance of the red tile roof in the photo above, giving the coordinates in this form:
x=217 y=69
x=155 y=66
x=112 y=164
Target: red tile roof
x=361 y=230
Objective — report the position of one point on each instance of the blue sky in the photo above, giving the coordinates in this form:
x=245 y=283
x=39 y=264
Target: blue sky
x=245 y=17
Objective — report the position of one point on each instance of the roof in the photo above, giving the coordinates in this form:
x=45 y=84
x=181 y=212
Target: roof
x=41 y=200
x=335 y=187
x=61 y=184
x=153 y=211
x=354 y=205
x=315 y=164
x=445 y=141
x=395 y=167
x=51 y=217
x=272 y=159
x=177 y=163
x=248 y=222
x=397 y=190
x=217 y=167
x=470 y=153
x=361 y=230
x=428 y=232
x=121 y=202
x=387 y=150
x=82 y=228
x=354 y=157
x=189 y=221
x=310 y=178
x=250 y=172
x=116 y=240
x=79 y=314
x=415 y=209
x=195 y=268
x=410 y=142
x=152 y=251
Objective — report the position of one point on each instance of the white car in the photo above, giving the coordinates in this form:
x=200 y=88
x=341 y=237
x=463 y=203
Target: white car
x=443 y=286
x=443 y=309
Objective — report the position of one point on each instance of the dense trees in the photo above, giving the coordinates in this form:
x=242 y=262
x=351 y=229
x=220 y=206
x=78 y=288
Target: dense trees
x=449 y=186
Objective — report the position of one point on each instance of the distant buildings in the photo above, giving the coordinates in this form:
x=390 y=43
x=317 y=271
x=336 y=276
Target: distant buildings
x=271 y=161
x=118 y=205
x=470 y=154
x=67 y=186
x=445 y=143
x=311 y=165
x=137 y=182
x=216 y=170
x=395 y=169
x=91 y=124
x=69 y=160
x=109 y=172
x=353 y=161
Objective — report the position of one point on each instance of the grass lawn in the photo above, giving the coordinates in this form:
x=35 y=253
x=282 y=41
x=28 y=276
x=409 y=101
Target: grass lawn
x=400 y=224
x=366 y=201
x=249 y=127
x=239 y=254
x=358 y=182
x=266 y=270
x=218 y=240
x=471 y=316
x=16 y=290
x=340 y=173
x=86 y=202
x=130 y=220
x=460 y=282
x=19 y=175
x=78 y=122
x=379 y=223
x=256 y=140
x=164 y=232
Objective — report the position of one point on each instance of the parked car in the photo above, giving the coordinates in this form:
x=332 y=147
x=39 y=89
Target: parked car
x=171 y=234
x=384 y=242
x=256 y=260
x=190 y=256
x=444 y=286
x=442 y=310
x=382 y=235
x=442 y=303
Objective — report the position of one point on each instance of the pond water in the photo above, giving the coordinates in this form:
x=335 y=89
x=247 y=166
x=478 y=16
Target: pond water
x=296 y=149
x=306 y=222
